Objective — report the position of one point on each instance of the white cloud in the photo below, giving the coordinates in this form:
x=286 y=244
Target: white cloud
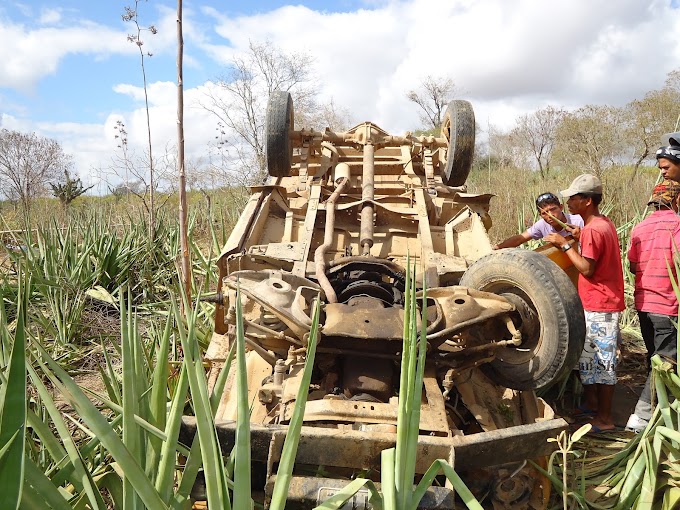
x=520 y=53
x=95 y=146
x=28 y=54
x=199 y=125
x=49 y=16
x=159 y=93
x=508 y=58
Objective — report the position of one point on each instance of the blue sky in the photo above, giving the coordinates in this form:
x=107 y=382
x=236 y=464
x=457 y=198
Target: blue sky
x=68 y=72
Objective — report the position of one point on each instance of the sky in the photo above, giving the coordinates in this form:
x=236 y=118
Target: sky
x=68 y=71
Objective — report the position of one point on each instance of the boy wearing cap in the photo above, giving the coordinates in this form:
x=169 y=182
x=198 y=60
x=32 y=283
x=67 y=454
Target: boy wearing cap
x=653 y=243
x=600 y=287
x=549 y=207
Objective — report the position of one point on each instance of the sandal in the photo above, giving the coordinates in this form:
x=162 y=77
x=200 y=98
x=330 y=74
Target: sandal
x=597 y=430
x=582 y=410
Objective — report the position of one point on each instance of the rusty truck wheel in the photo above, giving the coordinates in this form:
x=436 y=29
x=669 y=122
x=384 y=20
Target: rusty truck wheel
x=458 y=127
x=278 y=125
x=549 y=315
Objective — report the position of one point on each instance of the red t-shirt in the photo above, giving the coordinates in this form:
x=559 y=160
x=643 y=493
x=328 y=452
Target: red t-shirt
x=653 y=242
x=603 y=291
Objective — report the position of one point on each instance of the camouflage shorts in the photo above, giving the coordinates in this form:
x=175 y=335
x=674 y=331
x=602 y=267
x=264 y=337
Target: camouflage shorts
x=598 y=360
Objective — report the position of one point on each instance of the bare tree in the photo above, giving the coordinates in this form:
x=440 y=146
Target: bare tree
x=536 y=132
x=647 y=119
x=331 y=116
x=132 y=167
x=28 y=162
x=132 y=15
x=505 y=149
x=673 y=80
x=240 y=99
x=433 y=95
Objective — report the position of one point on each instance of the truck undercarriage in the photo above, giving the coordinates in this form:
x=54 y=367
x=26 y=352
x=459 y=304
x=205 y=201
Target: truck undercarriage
x=337 y=220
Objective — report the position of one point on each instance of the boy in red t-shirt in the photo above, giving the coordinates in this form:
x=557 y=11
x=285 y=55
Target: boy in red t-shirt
x=600 y=287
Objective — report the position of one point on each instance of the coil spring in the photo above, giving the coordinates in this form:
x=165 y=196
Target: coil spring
x=271 y=321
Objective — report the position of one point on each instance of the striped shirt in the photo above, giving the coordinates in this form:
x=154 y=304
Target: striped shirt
x=653 y=242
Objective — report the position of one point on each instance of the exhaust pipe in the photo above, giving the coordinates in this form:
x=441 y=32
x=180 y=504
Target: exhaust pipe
x=320 y=252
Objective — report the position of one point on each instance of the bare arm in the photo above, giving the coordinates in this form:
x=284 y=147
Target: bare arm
x=514 y=241
x=584 y=265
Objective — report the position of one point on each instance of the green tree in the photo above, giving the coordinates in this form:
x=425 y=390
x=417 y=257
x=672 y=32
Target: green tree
x=590 y=138
x=69 y=189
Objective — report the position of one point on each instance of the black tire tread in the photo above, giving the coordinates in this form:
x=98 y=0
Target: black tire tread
x=540 y=278
x=278 y=125
x=461 y=118
x=573 y=308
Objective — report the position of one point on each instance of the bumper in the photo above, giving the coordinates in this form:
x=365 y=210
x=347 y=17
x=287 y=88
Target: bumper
x=361 y=450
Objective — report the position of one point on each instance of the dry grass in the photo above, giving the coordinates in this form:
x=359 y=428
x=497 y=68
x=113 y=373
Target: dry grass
x=513 y=210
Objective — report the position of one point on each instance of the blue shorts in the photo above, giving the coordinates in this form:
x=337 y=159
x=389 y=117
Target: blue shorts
x=598 y=360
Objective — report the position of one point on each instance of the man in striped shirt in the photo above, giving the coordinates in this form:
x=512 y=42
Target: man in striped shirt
x=653 y=243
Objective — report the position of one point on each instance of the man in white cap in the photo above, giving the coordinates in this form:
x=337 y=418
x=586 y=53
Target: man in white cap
x=600 y=287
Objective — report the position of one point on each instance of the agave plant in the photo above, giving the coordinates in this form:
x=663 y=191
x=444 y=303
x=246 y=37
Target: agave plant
x=121 y=449
x=12 y=404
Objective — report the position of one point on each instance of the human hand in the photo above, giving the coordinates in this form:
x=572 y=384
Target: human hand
x=556 y=239
x=575 y=231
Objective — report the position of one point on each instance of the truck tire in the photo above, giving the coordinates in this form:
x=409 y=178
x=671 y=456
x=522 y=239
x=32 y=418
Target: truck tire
x=458 y=127
x=278 y=125
x=550 y=317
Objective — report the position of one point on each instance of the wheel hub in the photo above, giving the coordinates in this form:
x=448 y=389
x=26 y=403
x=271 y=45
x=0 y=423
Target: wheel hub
x=530 y=327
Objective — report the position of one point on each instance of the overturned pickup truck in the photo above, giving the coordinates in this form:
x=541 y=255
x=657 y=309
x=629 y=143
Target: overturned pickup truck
x=337 y=218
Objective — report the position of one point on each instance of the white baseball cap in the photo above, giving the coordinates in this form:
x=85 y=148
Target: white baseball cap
x=585 y=183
